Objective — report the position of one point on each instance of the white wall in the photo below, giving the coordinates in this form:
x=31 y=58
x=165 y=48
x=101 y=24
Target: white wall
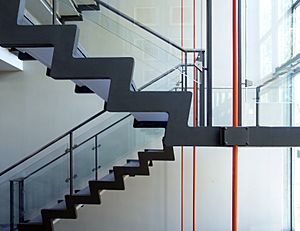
x=36 y=109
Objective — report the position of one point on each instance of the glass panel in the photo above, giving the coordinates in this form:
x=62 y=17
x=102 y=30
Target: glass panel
x=222 y=106
x=162 y=16
x=264 y=189
x=268 y=39
x=66 y=8
x=122 y=142
x=5 y=206
x=170 y=82
x=297 y=31
x=44 y=188
x=150 y=59
x=296 y=154
x=84 y=164
x=274 y=104
x=115 y=36
x=95 y=126
x=116 y=144
x=39 y=12
x=50 y=167
x=296 y=184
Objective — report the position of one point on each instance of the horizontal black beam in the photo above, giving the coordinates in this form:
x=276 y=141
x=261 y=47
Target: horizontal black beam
x=241 y=136
x=262 y=136
x=149 y=124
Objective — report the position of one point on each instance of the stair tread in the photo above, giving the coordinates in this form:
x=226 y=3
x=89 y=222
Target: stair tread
x=36 y=220
x=132 y=163
x=154 y=150
x=108 y=177
x=59 y=206
x=85 y=191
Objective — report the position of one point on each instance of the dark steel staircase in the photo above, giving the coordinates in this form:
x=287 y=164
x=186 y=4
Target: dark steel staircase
x=121 y=99
x=91 y=195
x=166 y=109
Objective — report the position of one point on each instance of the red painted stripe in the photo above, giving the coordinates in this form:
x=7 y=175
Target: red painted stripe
x=182 y=188
x=194 y=122
x=182 y=148
x=235 y=117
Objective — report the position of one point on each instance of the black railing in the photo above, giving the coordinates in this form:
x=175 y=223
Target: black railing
x=68 y=133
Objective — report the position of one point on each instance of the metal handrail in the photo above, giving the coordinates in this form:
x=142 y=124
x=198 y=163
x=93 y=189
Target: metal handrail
x=75 y=147
x=52 y=142
x=167 y=73
x=82 y=124
x=160 y=77
x=144 y=27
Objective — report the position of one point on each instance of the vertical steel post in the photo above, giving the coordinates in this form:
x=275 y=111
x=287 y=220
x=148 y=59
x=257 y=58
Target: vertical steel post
x=197 y=97
x=54 y=8
x=186 y=70
x=71 y=162
x=257 y=106
x=96 y=158
x=209 y=62
x=202 y=90
x=12 y=204
x=182 y=78
x=21 y=201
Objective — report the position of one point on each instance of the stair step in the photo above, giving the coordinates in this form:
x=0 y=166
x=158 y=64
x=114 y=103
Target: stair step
x=31 y=227
x=83 y=90
x=38 y=219
x=83 y=192
x=109 y=177
x=70 y=18
x=25 y=56
x=87 y=7
x=59 y=206
x=132 y=163
x=153 y=150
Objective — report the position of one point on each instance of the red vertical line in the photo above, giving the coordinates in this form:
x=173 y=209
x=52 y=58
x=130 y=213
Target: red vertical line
x=182 y=148
x=182 y=188
x=235 y=116
x=194 y=120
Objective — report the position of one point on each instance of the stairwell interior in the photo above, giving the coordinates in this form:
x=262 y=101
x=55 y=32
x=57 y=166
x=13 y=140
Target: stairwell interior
x=101 y=154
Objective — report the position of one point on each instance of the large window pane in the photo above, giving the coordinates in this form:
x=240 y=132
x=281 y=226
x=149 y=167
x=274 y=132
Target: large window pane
x=296 y=154
x=297 y=31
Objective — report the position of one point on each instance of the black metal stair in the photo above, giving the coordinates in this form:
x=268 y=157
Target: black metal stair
x=121 y=99
x=118 y=70
x=91 y=195
x=79 y=7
